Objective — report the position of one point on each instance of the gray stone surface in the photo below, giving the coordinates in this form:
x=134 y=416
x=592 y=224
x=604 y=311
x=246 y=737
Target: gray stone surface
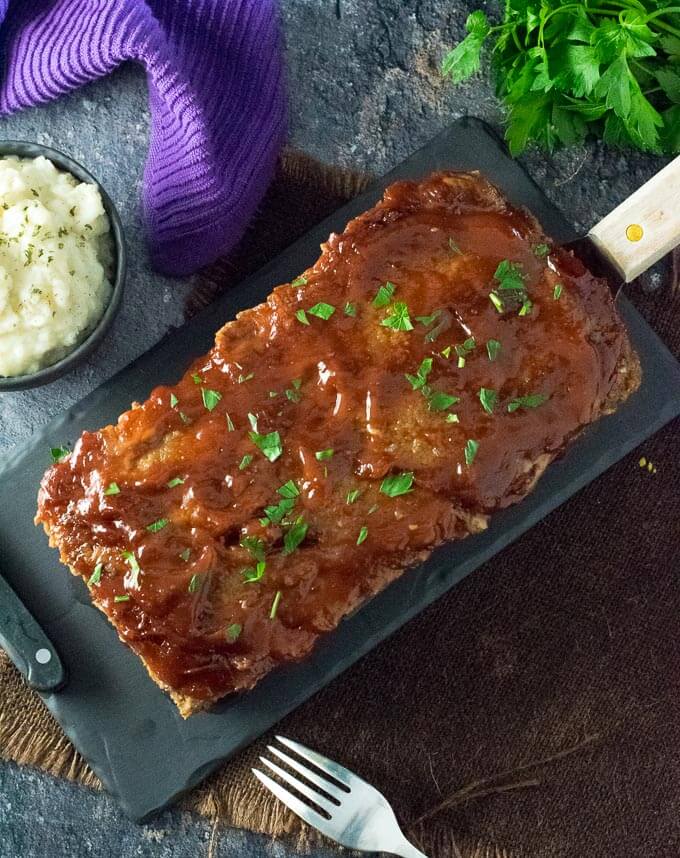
x=365 y=91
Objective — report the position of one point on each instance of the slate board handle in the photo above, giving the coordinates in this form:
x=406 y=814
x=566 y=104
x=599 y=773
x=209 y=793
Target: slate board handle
x=27 y=645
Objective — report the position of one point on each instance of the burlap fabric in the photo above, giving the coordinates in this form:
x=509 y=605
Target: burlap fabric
x=534 y=711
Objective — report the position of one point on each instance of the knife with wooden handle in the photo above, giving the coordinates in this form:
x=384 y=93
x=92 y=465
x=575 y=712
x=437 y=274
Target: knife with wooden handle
x=27 y=645
x=636 y=234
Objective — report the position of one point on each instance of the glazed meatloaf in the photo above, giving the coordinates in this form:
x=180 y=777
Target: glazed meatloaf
x=422 y=374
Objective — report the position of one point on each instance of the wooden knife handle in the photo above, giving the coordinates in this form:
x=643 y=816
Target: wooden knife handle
x=24 y=641
x=644 y=227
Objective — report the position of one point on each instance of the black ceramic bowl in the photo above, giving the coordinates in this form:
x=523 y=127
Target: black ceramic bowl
x=79 y=352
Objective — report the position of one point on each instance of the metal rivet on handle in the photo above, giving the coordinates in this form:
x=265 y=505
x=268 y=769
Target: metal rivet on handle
x=634 y=232
x=43 y=656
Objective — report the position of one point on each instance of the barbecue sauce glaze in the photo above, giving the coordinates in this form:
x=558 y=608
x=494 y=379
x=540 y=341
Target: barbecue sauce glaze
x=337 y=384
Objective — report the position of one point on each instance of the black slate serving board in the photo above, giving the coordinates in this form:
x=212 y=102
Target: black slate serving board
x=126 y=728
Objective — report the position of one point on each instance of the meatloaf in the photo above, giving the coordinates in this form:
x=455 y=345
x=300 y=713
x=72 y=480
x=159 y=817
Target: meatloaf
x=421 y=375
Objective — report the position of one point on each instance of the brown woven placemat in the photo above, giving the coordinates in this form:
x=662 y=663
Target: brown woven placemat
x=532 y=711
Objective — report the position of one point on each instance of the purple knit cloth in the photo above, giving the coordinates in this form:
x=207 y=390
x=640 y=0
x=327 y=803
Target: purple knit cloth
x=216 y=93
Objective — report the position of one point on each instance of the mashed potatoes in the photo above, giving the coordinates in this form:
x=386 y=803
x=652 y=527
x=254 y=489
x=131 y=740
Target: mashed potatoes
x=55 y=261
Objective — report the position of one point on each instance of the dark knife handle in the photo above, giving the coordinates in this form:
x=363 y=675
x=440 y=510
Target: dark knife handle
x=27 y=644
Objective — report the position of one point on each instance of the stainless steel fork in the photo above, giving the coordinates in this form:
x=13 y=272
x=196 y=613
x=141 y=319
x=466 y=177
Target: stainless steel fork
x=350 y=811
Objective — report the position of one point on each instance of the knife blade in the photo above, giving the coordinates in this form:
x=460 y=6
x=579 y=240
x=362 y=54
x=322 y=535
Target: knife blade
x=637 y=233
x=27 y=645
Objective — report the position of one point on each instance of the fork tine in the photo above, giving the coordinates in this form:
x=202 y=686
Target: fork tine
x=333 y=790
x=305 y=812
x=327 y=766
x=306 y=790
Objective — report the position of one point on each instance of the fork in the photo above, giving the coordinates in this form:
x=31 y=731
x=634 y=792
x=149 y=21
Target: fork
x=350 y=811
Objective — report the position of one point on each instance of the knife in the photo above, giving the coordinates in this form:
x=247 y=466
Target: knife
x=636 y=234
x=29 y=648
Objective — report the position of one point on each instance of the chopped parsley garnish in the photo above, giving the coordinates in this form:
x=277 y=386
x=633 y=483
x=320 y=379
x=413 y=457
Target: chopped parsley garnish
x=322 y=310
x=373 y=509
x=437 y=400
x=532 y=400
x=488 y=398
x=194 y=583
x=363 y=533
x=384 y=295
x=493 y=347
x=59 y=453
x=509 y=276
x=252 y=419
x=419 y=380
x=293 y=393
x=526 y=308
x=541 y=250
x=243 y=378
x=452 y=418
x=245 y=461
x=428 y=320
x=125 y=598
x=453 y=247
x=175 y=481
x=275 y=605
x=350 y=309
x=471 y=448
x=557 y=291
x=96 y=576
x=273 y=394
x=112 y=489
x=440 y=401
x=254 y=545
x=210 y=398
x=276 y=513
x=352 y=495
x=301 y=316
x=446 y=353
x=269 y=444
x=251 y=575
x=295 y=535
x=398 y=318
x=174 y=401
x=134 y=567
x=184 y=417
x=288 y=490
x=397 y=484
x=299 y=281
x=464 y=349
x=234 y=632
x=185 y=555
x=197 y=378
x=155 y=526
x=496 y=301
x=323 y=455
x=230 y=423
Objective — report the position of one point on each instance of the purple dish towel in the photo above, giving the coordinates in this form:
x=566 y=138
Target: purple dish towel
x=216 y=91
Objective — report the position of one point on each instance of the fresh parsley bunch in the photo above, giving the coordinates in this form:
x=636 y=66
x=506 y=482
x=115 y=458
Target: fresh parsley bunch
x=567 y=69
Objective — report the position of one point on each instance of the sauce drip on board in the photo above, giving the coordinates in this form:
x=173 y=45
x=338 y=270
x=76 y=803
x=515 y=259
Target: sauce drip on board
x=380 y=404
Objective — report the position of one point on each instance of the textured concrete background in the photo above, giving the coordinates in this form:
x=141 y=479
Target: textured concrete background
x=365 y=92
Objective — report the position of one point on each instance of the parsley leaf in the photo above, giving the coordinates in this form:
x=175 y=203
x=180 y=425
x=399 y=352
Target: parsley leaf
x=299 y=281
x=113 y=489
x=384 y=295
x=301 y=316
x=294 y=535
x=322 y=310
x=269 y=444
x=353 y=495
x=323 y=455
x=488 y=398
x=350 y=309
x=175 y=481
x=464 y=60
x=288 y=490
x=275 y=605
x=397 y=484
x=59 y=453
x=398 y=318
x=234 y=632
x=210 y=398
x=96 y=576
x=251 y=574
x=471 y=448
x=532 y=400
x=363 y=533
x=493 y=348
x=155 y=526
